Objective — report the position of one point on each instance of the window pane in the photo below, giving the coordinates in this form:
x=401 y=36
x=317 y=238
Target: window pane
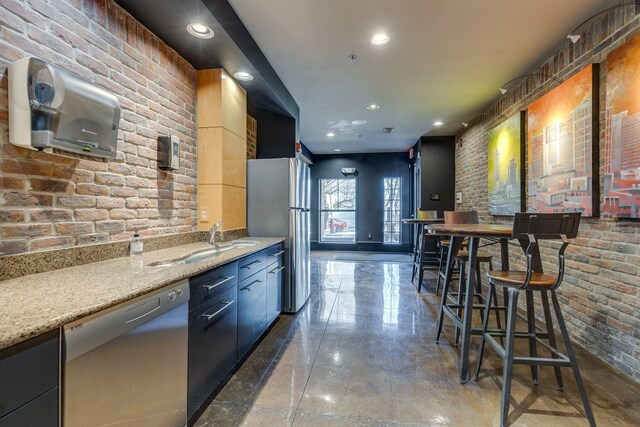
x=337 y=215
x=338 y=227
x=391 y=228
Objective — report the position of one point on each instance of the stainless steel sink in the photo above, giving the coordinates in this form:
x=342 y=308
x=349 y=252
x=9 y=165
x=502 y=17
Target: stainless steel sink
x=204 y=254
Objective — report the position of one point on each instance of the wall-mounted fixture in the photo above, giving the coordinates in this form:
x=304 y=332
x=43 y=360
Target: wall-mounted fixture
x=574 y=37
x=349 y=171
x=503 y=88
x=53 y=108
x=168 y=152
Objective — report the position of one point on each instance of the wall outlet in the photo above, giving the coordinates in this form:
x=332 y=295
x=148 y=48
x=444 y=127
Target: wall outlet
x=204 y=214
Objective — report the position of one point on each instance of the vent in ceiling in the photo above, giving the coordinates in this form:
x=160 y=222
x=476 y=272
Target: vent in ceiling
x=387 y=130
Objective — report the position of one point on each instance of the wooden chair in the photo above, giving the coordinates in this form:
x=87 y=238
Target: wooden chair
x=530 y=229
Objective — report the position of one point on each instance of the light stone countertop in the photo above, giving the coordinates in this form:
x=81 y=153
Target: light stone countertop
x=35 y=304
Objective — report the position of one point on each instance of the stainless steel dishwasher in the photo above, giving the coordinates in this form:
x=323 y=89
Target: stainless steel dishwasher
x=127 y=366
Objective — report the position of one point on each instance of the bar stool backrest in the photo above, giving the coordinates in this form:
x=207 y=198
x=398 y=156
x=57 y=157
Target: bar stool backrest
x=430 y=215
x=470 y=217
x=546 y=226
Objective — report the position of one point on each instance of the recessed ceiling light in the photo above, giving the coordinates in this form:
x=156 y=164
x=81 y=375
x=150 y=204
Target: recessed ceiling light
x=331 y=134
x=359 y=122
x=243 y=75
x=438 y=123
x=373 y=107
x=379 y=39
x=200 y=31
x=337 y=149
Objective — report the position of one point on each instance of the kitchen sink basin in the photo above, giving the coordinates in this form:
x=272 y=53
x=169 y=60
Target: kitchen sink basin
x=204 y=254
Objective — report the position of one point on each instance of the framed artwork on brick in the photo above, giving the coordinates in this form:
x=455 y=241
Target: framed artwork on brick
x=562 y=136
x=622 y=132
x=505 y=163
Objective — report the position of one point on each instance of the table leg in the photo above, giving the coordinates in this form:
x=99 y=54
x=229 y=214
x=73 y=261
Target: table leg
x=472 y=265
x=421 y=260
x=454 y=247
x=415 y=252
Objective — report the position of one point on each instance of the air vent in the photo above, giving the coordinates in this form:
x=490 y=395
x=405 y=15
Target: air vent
x=387 y=130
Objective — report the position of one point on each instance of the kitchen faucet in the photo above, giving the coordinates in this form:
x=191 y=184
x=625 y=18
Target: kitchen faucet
x=212 y=232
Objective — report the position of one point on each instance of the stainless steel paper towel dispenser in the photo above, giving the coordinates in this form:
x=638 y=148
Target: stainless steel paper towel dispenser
x=51 y=107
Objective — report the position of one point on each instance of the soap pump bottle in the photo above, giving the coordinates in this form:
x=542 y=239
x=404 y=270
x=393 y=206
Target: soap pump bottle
x=136 y=247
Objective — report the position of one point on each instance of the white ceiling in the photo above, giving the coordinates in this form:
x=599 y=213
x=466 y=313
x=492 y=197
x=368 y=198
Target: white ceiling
x=445 y=61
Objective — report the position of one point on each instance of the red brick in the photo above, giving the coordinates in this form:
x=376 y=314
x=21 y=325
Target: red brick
x=50 y=185
x=26 y=199
x=51 y=215
x=24 y=230
x=51 y=243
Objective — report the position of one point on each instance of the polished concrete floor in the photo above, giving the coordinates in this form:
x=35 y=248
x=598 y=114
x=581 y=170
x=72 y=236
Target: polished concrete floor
x=362 y=353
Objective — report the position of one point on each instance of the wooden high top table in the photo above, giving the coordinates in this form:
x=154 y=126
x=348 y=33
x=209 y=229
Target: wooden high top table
x=472 y=232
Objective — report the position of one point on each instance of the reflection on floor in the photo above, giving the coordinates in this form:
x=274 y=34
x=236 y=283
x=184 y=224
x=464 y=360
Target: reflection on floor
x=362 y=353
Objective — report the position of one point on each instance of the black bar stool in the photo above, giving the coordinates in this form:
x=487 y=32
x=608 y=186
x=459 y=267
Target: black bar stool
x=529 y=229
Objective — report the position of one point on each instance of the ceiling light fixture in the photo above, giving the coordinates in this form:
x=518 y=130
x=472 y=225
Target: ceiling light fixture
x=337 y=149
x=243 y=75
x=438 y=123
x=373 y=107
x=379 y=39
x=503 y=88
x=331 y=134
x=359 y=122
x=199 y=30
x=575 y=37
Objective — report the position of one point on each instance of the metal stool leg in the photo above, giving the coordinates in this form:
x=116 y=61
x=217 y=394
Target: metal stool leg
x=572 y=359
x=485 y=326
x=461 y=287
x=442 y=259
x=552 y=336
x=494 y=295
x=531 y=332
x=445 y=291
x=479 y=288
x=508 y=355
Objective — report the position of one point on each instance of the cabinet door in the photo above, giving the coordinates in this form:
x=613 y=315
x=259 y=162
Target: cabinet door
x=213 y=345
x=252 y=310
x=274 y=291
x=27 y=370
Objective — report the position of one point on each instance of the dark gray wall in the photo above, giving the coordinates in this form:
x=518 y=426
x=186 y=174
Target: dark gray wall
x=372 y=167
x=438 y=173
x=276 y=133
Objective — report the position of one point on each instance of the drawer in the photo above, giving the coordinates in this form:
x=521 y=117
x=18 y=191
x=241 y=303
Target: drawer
x=207 y=285
x=213 y=345
x=40 y=412
x=276 y=254
x=252 y=310
x=251 y=264
x=27 y=370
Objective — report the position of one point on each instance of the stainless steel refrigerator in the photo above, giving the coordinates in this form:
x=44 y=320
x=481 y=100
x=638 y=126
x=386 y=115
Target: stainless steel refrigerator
x=278 y=204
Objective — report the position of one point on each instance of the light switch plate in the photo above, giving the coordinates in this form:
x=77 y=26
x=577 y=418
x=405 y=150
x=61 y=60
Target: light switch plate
x=459 y=197
x=204 y=214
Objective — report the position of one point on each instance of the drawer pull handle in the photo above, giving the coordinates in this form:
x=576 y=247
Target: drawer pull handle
x=208 y=317
x=252 y=264
x=276 y=270
x=248 y=287
x=215 y=285
x=278 y=254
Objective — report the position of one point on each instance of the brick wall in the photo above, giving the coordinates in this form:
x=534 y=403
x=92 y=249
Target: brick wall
x=252 y=137
x=50 y=201
x=601 y=291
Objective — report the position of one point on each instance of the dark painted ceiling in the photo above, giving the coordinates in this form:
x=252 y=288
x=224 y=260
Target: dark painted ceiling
x=232 y=47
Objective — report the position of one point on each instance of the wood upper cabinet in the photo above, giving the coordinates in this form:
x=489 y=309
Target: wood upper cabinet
x=221 y=102
x=222 y=151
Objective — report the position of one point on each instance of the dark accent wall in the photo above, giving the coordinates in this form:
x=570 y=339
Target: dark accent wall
x=276 y=133
x=372 y=168
x=438 y=173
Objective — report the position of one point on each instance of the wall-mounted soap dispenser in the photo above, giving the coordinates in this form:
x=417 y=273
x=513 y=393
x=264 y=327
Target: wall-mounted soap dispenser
x=168 y=152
